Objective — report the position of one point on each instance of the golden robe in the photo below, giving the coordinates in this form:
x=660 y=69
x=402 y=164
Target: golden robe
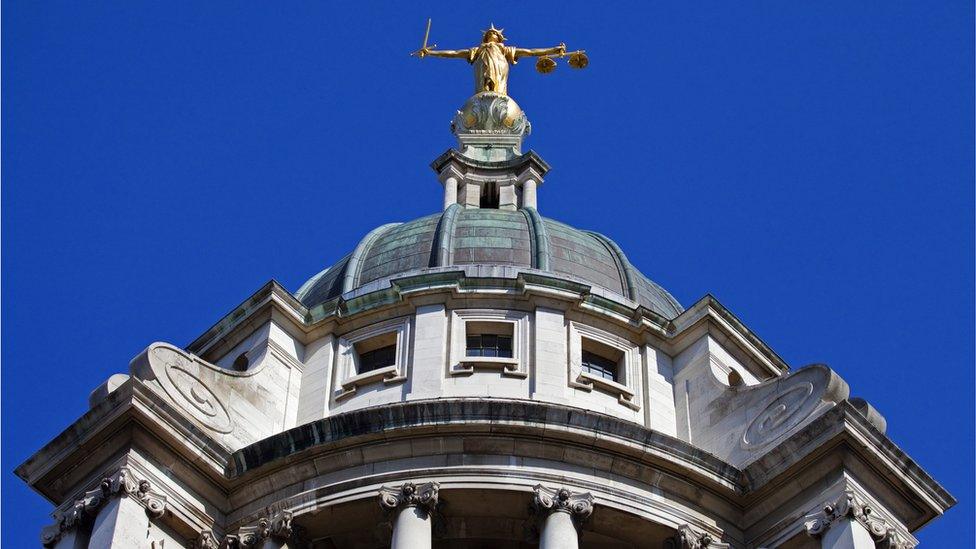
x=491 y=61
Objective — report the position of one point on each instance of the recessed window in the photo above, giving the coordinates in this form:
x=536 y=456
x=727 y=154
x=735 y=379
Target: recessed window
x=376 y=352
x=489 y=339
x=241 y=363
x=601 y=360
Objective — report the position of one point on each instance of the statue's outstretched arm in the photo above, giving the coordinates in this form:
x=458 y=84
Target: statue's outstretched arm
x=537 y=52
x=458 y=54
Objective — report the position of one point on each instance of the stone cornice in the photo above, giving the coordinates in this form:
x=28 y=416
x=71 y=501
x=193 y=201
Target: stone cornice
x=122 y=483
x=469 y=413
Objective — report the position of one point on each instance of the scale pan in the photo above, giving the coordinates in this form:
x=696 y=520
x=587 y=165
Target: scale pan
x=578 y=60
x=545 y=65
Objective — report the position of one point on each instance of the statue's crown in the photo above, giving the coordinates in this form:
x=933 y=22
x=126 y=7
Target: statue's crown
x=499 y=32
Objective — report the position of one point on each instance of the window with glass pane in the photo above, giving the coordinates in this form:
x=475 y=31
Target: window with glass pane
x=489 y=345
x=599 y=366
x=377 y=358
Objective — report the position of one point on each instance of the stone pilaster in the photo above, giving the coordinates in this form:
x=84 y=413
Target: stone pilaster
x=561 y=513
x=414 y=506
x=122 y=483
x=850 y=522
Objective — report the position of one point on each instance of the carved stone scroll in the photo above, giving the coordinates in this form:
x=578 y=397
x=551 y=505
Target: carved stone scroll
x=688 y=538
x=275 y=524
x=409 y=494
x=562 y=500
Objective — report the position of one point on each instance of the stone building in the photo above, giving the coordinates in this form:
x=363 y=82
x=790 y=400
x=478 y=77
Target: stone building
x=479 y=377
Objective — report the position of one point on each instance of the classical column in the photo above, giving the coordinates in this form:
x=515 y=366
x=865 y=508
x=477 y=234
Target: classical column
x=451 y=177
x=412 y=506
x=849 y=523
x=528 y=193
x=561 y=513
x=450 y=191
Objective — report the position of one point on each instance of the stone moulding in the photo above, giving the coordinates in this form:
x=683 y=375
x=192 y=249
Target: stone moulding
x=121 y=483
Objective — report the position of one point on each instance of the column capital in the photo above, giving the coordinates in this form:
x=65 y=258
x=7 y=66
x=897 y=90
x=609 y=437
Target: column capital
x=273 y=524
x=409 y=494
x=688 y=538
x=848 y=506
x=121 y=483
x=206 y=540
x=562 y=500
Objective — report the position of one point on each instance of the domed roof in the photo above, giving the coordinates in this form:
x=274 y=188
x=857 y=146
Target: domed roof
x=459 y=236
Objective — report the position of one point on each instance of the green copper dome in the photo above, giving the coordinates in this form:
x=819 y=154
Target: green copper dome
x=459 y=236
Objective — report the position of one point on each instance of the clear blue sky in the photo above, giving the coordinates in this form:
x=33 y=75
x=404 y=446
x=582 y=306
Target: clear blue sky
x=809 y=163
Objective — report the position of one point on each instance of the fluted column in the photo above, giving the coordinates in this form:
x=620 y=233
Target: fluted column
x=849 y=523
x=413 y=506
x=561 y=513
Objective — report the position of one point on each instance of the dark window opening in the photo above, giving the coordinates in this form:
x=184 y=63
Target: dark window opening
x=599 y=366
x=377 y=358
x=241 y=363
x=490 y=345
x=489 y=195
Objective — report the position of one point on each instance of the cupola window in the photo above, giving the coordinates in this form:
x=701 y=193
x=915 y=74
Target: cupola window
x=489 y=345
x=372 y=354
x=599 y=365
x=486 y=340
x=376 y=352
x=604 y=362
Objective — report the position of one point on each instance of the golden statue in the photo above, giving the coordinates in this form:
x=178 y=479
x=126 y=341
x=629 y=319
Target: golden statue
x=492 y=57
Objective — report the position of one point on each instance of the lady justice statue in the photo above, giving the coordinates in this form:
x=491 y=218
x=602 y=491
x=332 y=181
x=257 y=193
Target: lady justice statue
x=491 y=59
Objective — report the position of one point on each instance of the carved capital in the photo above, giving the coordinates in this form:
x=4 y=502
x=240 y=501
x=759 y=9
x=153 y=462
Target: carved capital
x=206 y=540
x=275 y=524
x=850 y=507
x=688 y=538
x=121 y=483
x=561 y=500
x=409 y=494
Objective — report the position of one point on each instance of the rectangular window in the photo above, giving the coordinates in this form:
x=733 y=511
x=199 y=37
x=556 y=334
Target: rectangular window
x=599 y=366
x=601 y=360
x=376 y=352
x=490 y=345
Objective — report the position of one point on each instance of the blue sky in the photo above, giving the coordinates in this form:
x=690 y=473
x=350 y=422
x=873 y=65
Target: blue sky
x=810 y=164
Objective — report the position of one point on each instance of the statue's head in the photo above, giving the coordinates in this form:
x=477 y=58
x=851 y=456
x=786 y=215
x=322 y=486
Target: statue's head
x=493 y=35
